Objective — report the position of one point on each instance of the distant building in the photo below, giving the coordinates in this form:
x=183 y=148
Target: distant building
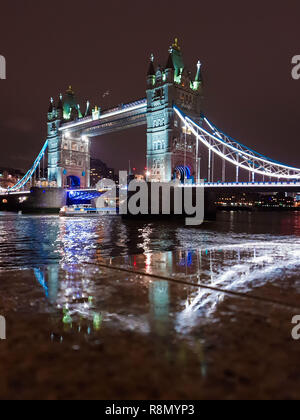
x=279 y=200
x=257 y=200
x=9 y=177
x=99 y=170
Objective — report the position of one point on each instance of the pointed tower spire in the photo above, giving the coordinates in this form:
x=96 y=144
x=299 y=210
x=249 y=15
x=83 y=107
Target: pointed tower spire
x=151 y=71
x=170 y=64
x=177 y=61
x=151 y=78
x=60 y=102
x=51 y=107
x=87 y=110
x=79 y=112
x=60 y=107
x=69 y=103
x=198 y=78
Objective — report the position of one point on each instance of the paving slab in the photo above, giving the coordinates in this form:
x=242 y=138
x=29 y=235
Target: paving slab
x=268 y=271
x=88 y=332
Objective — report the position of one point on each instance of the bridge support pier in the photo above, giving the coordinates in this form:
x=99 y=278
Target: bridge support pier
x=40 y=200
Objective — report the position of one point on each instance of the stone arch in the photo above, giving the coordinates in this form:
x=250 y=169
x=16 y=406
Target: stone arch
x=181 y=171
x=73 y=181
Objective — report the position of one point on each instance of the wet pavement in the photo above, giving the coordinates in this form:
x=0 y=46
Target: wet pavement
x=205 y=324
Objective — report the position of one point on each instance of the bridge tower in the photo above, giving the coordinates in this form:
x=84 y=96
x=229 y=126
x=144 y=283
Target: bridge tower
x=68 y=153
x=171 y=149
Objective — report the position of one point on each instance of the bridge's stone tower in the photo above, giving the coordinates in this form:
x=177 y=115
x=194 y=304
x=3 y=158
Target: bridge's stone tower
x=68 y=154
x=171 y=149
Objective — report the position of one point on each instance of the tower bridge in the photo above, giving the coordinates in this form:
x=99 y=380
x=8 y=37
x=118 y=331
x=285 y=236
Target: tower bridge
x=181 y=141
x=120 y=118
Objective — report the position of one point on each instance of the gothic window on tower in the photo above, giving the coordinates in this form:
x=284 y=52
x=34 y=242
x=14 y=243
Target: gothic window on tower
x=74 y=147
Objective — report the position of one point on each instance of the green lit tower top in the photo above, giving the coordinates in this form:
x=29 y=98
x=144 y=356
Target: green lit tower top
x=70 y=106
x=175 y=53
x=175 y=67
x=170 y=148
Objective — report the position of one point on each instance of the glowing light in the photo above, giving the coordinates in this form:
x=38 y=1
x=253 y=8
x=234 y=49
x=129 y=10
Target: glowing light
x=30 y=173
x=202 y=134
x=128 y=108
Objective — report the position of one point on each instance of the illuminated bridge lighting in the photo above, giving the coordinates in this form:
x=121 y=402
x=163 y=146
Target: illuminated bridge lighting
x=218 y=143
x=31 y=171
x=138 y=105
x=245 y=184
x=236 y=153
x=82 y=196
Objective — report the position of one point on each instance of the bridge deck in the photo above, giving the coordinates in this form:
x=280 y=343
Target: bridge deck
x=213 y=186
x=120 y=118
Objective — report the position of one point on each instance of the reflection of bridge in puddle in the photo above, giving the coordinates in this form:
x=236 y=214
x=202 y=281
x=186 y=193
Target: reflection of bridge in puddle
x=205 y=277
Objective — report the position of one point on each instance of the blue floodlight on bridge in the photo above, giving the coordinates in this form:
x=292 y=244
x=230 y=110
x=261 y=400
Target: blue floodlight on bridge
x=76 y=197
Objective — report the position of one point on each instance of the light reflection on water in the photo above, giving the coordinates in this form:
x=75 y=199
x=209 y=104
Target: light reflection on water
x=35 y=241
x=239 y=252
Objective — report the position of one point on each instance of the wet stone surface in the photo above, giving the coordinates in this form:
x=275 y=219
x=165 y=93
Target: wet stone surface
x=82 y=331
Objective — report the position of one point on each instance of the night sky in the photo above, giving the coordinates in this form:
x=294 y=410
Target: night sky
x=245 y=47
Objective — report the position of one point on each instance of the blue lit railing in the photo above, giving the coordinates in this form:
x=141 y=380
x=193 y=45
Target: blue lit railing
x=31 y=171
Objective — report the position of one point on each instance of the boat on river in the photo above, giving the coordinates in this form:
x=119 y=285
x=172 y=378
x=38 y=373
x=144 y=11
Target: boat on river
x=86 y=211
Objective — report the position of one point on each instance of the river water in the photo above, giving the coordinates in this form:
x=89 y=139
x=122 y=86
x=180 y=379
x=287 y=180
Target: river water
x=161 y=311
x=35 y=241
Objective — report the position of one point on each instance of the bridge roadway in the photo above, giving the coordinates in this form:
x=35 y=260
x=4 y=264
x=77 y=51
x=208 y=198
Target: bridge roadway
x=259 y=187
x=51 y=200
x=256 y=187
x=120 y=118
